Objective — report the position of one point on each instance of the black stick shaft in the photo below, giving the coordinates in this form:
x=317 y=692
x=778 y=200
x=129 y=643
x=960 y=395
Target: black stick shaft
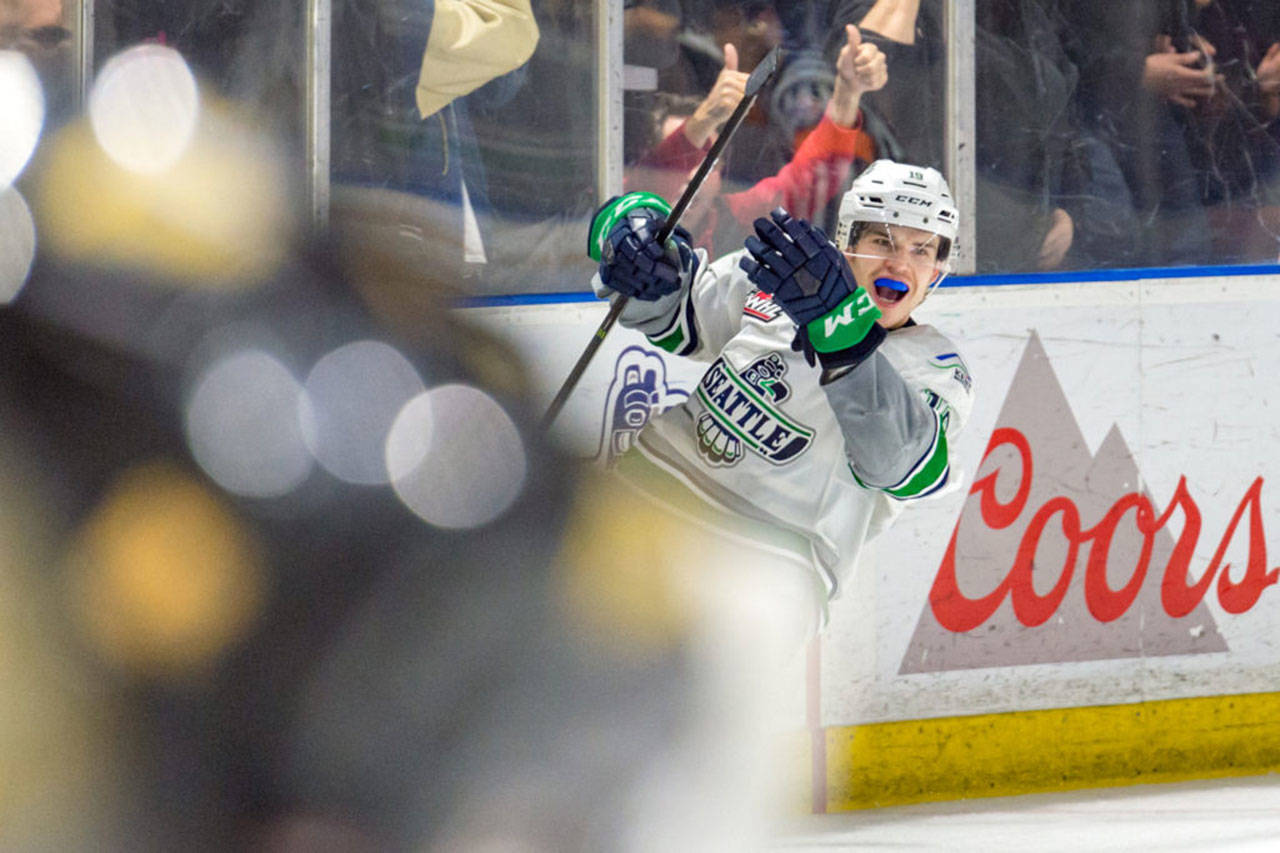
x=620 y=302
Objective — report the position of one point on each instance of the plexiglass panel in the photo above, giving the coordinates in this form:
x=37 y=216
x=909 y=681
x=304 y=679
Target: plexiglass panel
x=462 y=134
x=1107 y=135
x=810 y=131
x=470 y=137
x=1126 y=134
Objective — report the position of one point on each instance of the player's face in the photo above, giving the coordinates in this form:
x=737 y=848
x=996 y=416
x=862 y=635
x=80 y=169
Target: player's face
x=897 y=265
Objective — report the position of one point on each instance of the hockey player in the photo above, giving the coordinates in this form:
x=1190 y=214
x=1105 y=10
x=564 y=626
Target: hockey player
x=826 y=408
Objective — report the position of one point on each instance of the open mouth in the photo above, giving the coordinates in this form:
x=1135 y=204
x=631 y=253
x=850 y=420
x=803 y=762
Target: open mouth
x=890 y=290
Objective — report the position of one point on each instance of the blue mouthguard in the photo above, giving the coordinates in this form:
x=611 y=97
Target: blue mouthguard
x=892 y=284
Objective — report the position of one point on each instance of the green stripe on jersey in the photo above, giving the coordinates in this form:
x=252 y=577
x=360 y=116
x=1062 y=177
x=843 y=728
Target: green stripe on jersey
x=928 y=474
x=673 y=341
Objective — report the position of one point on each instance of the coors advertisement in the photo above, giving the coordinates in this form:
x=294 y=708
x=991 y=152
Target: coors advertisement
x=1060 y=555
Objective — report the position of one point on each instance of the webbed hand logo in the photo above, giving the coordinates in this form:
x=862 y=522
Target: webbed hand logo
x=741 y=412
x=639 y=391
x=718 y=446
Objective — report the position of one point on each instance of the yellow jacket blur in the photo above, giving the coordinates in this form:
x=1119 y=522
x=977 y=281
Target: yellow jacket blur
x=472 y=42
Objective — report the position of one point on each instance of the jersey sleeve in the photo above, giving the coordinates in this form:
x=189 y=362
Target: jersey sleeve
x=899 y=410
x=700 y=318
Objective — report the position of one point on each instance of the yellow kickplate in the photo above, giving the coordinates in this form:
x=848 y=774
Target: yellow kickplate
x=989 y=755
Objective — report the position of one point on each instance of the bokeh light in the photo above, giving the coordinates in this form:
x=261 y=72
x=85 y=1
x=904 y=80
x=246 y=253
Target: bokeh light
x=143 y=108
x=165 y=577
x=22 y=112
x=455 y=457
x=243 y=425
x=17 y=243
x=220 y=219
x=355 y=393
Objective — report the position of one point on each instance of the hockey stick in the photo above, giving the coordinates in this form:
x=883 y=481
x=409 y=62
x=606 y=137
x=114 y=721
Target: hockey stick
x=762 y=73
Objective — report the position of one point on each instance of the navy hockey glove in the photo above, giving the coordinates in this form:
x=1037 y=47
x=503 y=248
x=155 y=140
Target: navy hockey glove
x=810 y=280
x=632 y=262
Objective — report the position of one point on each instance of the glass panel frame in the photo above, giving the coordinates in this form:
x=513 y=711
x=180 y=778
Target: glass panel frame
x=319 y=30
x=960 y=130
x=81 y=22
x=609 y=85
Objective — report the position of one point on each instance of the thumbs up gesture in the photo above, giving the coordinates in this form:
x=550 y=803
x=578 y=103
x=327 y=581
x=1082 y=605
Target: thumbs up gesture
x=861 y=64
x=860 y=68
x=718 y=105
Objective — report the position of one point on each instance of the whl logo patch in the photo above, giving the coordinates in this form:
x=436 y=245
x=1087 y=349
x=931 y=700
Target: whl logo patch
x=761 y=306
x=742 y=415
x=1059 y=555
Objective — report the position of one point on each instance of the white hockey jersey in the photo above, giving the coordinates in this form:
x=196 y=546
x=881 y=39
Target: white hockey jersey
x=762 y=439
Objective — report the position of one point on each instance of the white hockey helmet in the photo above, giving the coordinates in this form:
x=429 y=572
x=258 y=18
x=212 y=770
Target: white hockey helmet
x=898 y=194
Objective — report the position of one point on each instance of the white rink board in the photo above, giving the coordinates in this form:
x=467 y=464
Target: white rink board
x=1179 y=371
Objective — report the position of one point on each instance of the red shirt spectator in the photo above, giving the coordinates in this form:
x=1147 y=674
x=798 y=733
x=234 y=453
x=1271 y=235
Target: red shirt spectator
x=818 y=173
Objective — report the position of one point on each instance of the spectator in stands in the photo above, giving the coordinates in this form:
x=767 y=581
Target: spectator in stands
x=682 y=42
x=399 y=122
x=804 y=81
x=804 y=22
x=651 y=31
x=31 y=25
x=37 y=29
x=911 y=37
x=1049 y=193
x=1143 y=71
x=762 y=146
x=809 y=184
x=1238 y=142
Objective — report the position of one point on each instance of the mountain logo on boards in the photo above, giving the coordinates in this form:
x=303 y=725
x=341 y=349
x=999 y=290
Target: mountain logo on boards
x=1059 y=555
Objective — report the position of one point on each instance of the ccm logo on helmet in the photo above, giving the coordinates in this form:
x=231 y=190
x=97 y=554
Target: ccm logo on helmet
x=910 y=199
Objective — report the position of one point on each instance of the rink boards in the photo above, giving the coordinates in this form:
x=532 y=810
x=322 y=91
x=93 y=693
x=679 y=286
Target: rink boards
x=1095 y=603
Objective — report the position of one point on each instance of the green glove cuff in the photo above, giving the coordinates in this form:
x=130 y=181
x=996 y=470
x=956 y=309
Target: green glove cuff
x=614 y=212
x=846 y=325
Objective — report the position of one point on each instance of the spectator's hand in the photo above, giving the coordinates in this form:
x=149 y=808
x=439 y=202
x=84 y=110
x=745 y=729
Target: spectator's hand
x=718 y=105
x=861 y=64
x=1057 y=241
x=1175 y=76
x=860 y=68
x=1268 y=71
x=1268 y=74
x=1202 y=44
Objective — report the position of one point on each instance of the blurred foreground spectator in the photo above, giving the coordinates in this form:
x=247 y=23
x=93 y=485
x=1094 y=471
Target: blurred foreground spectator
x=285 y=566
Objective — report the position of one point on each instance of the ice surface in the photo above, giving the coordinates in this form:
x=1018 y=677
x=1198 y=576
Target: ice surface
x=1218 y=815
